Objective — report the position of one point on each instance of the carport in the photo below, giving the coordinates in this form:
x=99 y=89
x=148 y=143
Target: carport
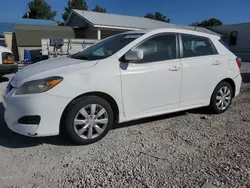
x=29 y=36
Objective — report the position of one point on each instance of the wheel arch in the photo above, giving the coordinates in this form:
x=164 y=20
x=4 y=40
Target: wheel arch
x=231 y=82
x=103 y=95
x=228 y=80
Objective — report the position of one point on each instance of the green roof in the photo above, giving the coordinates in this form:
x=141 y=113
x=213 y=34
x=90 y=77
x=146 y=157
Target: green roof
x=30 y=35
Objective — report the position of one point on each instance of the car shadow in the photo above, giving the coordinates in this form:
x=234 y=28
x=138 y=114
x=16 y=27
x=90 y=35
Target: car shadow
x=148 y=120
x=245 y=77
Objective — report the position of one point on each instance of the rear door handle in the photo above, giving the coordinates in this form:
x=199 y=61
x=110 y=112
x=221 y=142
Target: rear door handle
x=216 y=63
x=174 y=68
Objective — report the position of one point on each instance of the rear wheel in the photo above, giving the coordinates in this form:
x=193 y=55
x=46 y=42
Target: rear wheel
x=88 y=120
x=221 y=98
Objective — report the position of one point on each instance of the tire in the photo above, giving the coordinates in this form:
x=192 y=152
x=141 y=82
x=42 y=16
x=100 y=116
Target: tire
x=215 y=105
x=76 y=112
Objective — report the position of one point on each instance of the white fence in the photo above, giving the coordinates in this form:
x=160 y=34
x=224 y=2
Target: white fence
x=69 y=46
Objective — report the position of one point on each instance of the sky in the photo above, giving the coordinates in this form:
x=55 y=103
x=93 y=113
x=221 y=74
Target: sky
x=179 y=11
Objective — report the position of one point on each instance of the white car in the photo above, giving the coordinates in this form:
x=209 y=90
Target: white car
x=7 y=62
x=125 y=77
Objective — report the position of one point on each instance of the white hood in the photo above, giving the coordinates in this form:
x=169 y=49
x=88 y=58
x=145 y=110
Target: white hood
x=49 y=65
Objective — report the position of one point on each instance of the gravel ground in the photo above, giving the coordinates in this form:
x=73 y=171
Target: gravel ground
x=183 y=149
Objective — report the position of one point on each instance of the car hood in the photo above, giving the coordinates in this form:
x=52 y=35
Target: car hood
x=56 y=64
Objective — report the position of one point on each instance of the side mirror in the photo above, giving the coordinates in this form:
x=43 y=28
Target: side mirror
x=134 y=55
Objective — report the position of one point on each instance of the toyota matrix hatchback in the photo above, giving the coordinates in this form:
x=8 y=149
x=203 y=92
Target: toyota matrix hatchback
x=125 y=77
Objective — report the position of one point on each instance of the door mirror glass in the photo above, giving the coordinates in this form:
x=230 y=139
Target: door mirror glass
x=134 y=55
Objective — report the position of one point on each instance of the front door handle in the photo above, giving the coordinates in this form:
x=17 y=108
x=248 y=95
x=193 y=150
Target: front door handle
x=174 y=68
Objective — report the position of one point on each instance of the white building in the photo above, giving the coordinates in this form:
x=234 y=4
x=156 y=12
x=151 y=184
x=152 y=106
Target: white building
x=94 y=25
x=237 y=37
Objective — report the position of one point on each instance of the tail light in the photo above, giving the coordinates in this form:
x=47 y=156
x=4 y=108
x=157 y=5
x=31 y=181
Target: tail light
x=238 y=61
x=7 y=58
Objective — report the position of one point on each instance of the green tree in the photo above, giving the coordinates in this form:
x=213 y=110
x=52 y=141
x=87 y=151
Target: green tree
x=40 y=9
x=74 y=4
x=59 y=23
x=208 y=23
x=99 y=9
x=157 y=16
x=150 y=16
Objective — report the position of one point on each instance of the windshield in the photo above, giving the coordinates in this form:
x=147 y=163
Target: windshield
x=106 y=48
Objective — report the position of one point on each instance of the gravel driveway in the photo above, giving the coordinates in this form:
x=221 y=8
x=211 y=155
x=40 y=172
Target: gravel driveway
x=183 y=149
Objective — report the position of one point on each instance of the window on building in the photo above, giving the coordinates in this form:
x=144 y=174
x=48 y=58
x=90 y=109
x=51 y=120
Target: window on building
x=158 y=48
x=2 y=42
x=233 y=38
x=194 y=46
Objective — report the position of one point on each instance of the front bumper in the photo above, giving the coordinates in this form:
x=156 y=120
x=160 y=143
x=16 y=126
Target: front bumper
x=8 y=69
x=49 y=107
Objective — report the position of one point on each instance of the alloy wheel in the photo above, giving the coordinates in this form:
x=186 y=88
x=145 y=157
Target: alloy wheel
x=90 y=121
x=223 y=98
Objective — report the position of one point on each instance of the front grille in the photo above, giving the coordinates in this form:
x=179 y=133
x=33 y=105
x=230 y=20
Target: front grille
x=30 y=120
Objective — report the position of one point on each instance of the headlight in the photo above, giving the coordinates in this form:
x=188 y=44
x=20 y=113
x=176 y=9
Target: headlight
x=8 y=58
x=38 y=86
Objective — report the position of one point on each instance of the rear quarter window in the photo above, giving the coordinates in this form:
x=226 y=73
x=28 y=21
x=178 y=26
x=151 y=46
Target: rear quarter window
x=224 y=44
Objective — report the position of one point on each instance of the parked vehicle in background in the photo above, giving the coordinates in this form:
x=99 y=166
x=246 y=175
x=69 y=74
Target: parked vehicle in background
x=128 y=76
x=7 y=62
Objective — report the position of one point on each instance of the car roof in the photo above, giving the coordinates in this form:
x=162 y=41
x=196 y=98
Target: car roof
x=173 y=30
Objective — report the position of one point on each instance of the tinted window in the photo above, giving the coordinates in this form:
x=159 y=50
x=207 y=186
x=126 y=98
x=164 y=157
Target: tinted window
x=224 y=44
x=2 y=43
x=194 y=46
x=233 y=38
x=158 y=48
x=107 y=47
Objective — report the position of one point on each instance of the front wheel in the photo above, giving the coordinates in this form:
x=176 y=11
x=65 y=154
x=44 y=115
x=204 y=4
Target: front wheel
x=221 y=98
x=88 y=120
